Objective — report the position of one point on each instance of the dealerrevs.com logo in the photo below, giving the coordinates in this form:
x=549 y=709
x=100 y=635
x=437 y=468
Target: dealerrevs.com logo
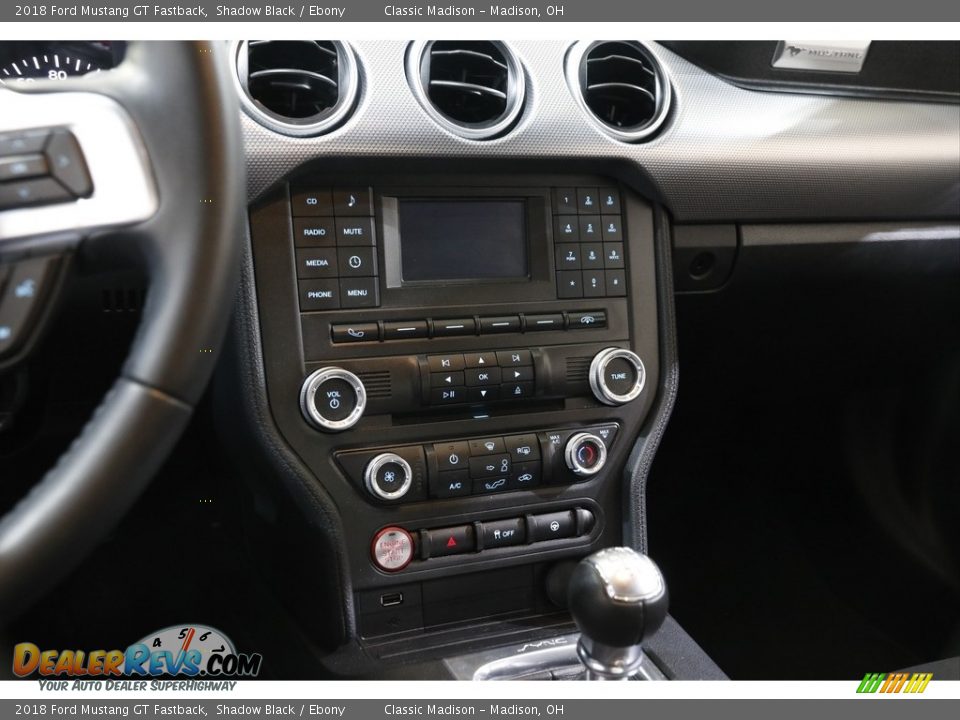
x=184 y=650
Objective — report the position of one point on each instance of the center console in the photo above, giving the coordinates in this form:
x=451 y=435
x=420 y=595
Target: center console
x=463 y=363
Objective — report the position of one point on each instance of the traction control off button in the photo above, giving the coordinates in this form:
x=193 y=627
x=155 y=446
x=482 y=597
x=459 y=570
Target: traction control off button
x=392 y=549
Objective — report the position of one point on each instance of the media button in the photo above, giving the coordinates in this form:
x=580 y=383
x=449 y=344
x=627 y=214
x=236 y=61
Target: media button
x=452 y=456
x=508 y=358
x=504 y=533
x=565 y=229
x=565 y=201
x=553 y=321
x=484 y=359
x=314 y=232
x=499 y=324
x=311 y=202
x=487 y=446
x=456 y=326
x=586 y=319
x=445 y=363
x=354 y=231
x=319 y=294
x=357 y=332
x=359 y=292
x=316 y=262
x=482 y=376
x=522 y=448
x=404 y=329
x=357 y=261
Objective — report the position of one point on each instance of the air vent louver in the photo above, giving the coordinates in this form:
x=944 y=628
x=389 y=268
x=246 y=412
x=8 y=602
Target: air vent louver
x=472 y=88
x=623 y=86
x=297 y=87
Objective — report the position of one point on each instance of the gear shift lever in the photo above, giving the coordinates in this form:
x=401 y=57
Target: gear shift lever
x=618 y=598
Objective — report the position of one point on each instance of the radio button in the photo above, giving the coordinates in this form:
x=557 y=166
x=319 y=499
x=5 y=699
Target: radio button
x=403 y=329
x=526 y=475
x=311 y=202
x=516 y=391
x=357 y=261
x=568 y=256
x=484 y=359
x=503 y=533
x=319 y=295
x=449 y=379
x=458 y=326
x=482 y=376
x=448 y=396
x=452 y=483
x=445 y=363
x=352 y=202
x=491 y=485
x=565 y=201
x=316 y=263
x=489 y=466
x=590 y=228
x=565 y=229
x=553 y=321
x=613 y=255
x=569 y=286
x=612 y=230
x=509 y=358
x=522 y=448
x=587 y=200
x=357 y=332
x=483 y=394
x=594 y=283
x=499 y=324
x=609 y=201
x=448 y=541
x=452 y=456
x=359 y=292
x=319 y=232
x=487 y=446
x=355 y=231
x=586 y=319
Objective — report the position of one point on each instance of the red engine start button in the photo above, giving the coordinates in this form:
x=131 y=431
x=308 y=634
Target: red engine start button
x=392 y=549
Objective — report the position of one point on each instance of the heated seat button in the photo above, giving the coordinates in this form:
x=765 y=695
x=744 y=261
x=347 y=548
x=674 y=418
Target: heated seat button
x=522 y=447
x=448 y=541
x=552 y=526
x=503 y=533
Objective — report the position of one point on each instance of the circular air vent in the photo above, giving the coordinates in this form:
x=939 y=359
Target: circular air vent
x=620 y=84
x=297 y=87
x=472 y=88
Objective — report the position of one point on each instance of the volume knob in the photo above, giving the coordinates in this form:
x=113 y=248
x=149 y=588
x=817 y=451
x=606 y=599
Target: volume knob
x=332 y=399
x=617 y=376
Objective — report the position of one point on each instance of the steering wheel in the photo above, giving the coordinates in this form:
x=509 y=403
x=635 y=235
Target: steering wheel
x=160 y=137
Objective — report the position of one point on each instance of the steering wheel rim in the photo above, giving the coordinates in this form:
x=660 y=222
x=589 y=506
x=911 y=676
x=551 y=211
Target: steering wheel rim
x=179 y=98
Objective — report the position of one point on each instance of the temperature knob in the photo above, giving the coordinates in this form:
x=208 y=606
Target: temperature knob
x=616 y=376
x=332 y=399
x=585 y=454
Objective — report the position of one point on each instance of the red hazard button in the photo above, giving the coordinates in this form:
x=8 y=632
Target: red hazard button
x=392 y=549
x=448 y=541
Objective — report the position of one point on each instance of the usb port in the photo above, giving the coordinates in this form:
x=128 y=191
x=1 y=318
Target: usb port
x=391 y=599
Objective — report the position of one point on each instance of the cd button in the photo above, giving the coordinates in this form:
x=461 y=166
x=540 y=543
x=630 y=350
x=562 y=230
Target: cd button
x=311 y=202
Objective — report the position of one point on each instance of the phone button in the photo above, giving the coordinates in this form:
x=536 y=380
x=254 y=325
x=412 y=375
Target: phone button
x=356 y=332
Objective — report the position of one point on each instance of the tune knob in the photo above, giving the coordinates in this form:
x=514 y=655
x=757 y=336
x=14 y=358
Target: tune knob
x=332 y=399
x=388 y=476
x=585 y=454
x=616 y=376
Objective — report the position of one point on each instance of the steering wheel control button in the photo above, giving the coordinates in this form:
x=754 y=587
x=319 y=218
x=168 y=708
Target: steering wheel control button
x=617 y=376
x=67 y=164
x=355 y=332
x=311 y=202
x=388 y=476
x=19 y=302
x=22 y=167
x=585 y=454
x=333 y=399
x=23 y=143
x=314 y=232
x=448 y=541
x=503 y=533
x=23 y=193
x=552 y=526
x=392 y=549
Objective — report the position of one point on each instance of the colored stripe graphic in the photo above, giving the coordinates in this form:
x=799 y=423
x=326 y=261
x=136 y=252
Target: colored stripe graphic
x=891 y=683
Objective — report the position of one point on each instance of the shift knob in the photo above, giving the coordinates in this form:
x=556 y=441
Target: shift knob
x=618 y=598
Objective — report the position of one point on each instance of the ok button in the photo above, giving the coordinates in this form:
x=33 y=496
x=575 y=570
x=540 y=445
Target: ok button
x=452 y=456
x=482 y=376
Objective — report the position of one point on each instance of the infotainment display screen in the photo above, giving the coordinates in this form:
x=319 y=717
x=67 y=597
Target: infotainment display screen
x=458 y=239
